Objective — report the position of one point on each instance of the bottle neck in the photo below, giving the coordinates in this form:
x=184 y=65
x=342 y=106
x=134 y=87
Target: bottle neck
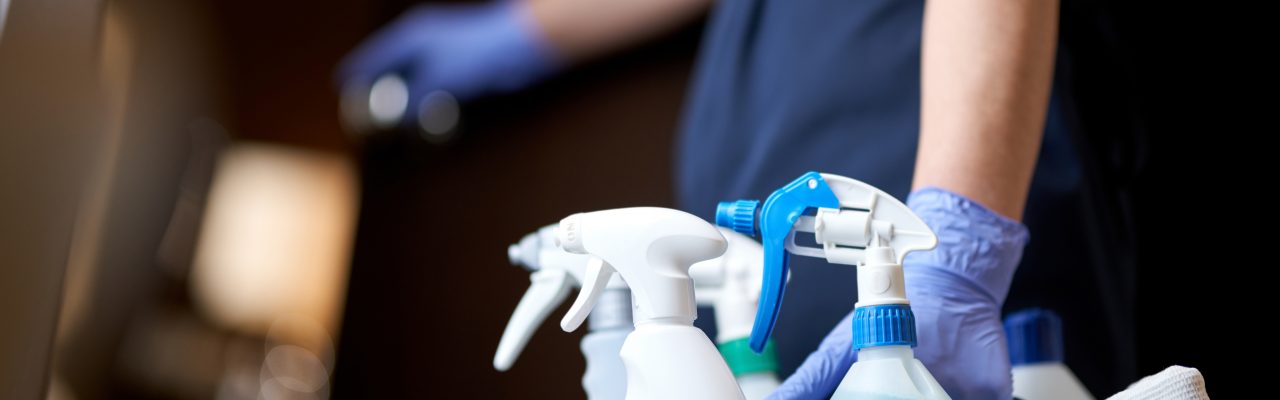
x=884 y=325
x=665 y=321
x=612 y=311
x=885 y=352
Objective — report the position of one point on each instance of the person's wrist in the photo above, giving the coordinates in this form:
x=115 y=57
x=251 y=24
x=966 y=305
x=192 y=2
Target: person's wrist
x=975 y=244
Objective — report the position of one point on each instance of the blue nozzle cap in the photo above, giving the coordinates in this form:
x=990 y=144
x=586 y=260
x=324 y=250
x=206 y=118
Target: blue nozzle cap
x=776 y=219
x=1035 y=336
x=738 y=215
x=884 y=325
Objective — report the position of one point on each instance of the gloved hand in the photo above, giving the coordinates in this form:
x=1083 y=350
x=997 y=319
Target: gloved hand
x=956 y=292
x=467 y=50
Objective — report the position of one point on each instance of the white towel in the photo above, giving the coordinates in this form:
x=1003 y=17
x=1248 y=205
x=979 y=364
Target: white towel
x=1174 y=383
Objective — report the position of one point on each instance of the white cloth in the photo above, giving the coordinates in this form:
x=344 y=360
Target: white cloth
x=1174 y=383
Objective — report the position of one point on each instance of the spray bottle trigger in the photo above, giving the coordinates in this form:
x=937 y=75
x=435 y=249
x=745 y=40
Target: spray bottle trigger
x=773 y=285
x=547 y=288
x=777 y=218
x=593 y=285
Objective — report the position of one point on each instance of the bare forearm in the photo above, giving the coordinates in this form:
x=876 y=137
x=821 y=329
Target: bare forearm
x=986 y=68
x=581 y=29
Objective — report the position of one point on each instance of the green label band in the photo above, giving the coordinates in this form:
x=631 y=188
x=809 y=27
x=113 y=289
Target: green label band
x=742 y=361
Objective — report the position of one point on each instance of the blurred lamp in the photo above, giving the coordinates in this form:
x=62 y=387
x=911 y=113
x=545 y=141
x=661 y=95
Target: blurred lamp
x=276 y=241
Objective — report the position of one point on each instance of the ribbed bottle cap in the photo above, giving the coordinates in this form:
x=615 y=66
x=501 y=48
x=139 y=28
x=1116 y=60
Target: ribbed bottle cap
x=884 y=325
x=1035 y=336
x=738 y=215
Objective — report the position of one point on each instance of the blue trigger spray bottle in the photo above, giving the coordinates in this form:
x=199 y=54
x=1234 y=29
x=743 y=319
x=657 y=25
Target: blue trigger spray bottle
x=855 y=224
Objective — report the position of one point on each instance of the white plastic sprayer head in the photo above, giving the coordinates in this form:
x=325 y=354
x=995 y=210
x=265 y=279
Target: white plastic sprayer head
x=652 y=248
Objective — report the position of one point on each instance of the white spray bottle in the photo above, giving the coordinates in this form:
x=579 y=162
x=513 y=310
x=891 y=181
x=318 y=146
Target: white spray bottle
x=856 y=224
x=729 y=284
x=1035 y=351
x=652 y=249
x=554 y=271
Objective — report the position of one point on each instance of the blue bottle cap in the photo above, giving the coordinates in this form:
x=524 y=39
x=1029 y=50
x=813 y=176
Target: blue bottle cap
x=1035 y=336
x=738 y=215
x=884 y=325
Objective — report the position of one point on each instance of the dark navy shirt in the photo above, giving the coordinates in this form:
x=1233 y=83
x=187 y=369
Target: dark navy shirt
x=788 y=86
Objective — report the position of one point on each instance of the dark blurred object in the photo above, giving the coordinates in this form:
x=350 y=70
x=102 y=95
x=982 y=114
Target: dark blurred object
x=411 y=74
x=51 y=117
x=1158 y=125
x=381 y=108
x=126 y=273
x=177 y=246
x=280 y=60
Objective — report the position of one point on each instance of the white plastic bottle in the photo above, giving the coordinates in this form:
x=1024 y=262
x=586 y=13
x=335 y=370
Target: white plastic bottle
x=731 y=285
x=1035 y=350
x=884 y=333
x=665 y=357
x=608 y=327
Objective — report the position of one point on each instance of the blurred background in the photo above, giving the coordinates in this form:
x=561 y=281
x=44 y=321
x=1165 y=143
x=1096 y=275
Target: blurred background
x=185 y=215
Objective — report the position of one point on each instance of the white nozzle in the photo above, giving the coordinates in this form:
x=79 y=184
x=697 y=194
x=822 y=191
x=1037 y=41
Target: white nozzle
x=547 y=289
x=528 y=252
x=651 y=248
x=555 y=271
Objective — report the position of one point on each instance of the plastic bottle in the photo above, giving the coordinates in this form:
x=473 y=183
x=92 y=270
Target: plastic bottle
x=1035 y=351
x=730 y=284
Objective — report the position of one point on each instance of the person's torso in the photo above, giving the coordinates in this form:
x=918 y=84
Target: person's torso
x=784 y=87
x=788 y=86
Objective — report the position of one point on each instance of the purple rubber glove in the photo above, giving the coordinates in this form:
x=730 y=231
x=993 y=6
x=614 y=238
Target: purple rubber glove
x=466 y=50
x=956 y=292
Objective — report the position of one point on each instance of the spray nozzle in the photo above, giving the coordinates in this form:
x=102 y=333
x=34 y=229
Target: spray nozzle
x=776 y=218
x=855 y=223
x=527 y=253
x=650 y=248
x=740 y=216
x=547 y=289
x=554 y=272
